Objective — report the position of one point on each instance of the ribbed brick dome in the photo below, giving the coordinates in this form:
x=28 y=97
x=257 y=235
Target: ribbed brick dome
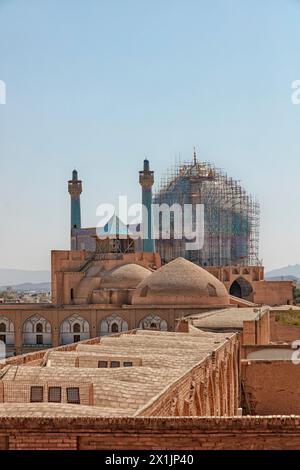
x=181 y=282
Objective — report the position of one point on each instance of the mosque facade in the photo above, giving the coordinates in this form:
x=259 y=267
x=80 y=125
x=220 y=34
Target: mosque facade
x=115 y=284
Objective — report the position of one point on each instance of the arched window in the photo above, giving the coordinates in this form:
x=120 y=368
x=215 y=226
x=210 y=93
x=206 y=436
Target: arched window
x=76 y=328
x=112 y=324
x=212 y=292
x=2 y=327
x=39 y=328
x=144 y=291
x=153 y=322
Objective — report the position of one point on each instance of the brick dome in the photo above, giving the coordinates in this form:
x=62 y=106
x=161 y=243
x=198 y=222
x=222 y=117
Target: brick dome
x=126 y=276
x=181 y=282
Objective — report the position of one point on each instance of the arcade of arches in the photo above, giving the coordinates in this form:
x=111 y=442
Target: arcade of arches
x=37 y=331
x=95 y=296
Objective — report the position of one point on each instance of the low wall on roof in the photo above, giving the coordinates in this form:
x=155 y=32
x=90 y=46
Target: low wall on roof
x=238 y=433
x=285 y=325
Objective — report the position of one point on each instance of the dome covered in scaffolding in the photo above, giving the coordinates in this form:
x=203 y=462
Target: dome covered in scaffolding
x=231 y=215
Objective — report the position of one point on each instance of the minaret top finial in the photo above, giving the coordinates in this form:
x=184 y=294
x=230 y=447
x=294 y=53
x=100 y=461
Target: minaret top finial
x=195 y=156
x=74 y=175
x=146 y=164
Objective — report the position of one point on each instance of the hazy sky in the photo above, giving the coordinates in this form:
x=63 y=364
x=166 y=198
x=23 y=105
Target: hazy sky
x=100 y=84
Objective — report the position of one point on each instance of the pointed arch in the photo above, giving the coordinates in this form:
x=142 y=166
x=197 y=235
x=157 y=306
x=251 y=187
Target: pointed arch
x=74 y=328
x=36 y=330
x=241 y=288
x=113 y=324
x=153 y=322
x=7 y=331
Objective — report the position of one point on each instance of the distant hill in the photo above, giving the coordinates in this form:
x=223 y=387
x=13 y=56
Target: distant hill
x=30 y=287
x=291 y=272
x=283 y=278
x=13 y=277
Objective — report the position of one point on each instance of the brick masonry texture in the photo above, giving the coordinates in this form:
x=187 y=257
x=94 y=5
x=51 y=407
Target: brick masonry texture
x=172 y=374
x=255 y=432
x=183 y=391
x=272 y=387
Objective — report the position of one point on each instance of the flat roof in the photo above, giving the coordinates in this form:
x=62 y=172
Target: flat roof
x=225 y=318
x=284 y=308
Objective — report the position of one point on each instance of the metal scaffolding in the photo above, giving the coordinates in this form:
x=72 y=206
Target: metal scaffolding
x=231 y=215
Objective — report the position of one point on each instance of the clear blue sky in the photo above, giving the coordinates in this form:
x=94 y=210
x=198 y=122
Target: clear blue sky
x=100 y=84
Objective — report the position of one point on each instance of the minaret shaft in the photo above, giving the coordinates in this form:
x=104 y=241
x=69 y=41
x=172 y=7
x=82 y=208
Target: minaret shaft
x=75 y=189
x=146 y=181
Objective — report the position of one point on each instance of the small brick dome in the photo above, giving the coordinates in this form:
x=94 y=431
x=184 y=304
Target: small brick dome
x=126 y=276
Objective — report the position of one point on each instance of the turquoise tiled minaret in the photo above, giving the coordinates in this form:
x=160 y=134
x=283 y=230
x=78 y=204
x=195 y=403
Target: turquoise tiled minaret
x=75 y=189
x=146 y=181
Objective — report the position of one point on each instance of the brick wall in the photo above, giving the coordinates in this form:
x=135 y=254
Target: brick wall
x=248 y=334
x=210 y=388
x=257 y=331
x=263 y=327
x=271 y=387
x=281 y=331
x=273 y=292
x=43 y=442
x=4 y=442
x=255 y=432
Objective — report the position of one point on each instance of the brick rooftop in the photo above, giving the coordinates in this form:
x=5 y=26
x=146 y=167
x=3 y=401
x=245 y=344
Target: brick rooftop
x=229 y=318
x=162 y=358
